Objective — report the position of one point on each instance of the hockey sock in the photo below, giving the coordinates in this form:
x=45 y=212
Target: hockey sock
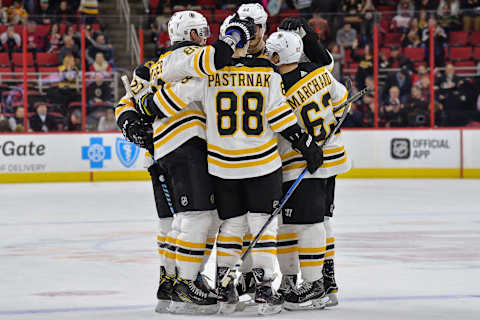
x=247 y=264
x=211 y=236
x=287 y=249
x=191 y=242
x=229 y=241
x=330 y=248
x=311 y=247
x=171 y=246
x=265 y=251
x=164 y=227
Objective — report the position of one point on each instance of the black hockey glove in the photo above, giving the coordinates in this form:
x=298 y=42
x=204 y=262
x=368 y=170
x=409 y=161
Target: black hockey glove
x=305 y=144
x=239 y=31
x=139 y=133
x=147 y=107
x=297 y=25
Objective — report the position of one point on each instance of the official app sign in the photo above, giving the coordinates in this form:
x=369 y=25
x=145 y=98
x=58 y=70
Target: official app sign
x=127 y=152
x=402 y=148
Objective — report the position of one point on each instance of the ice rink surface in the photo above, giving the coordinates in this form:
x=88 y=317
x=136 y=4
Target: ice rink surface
x=406 y=249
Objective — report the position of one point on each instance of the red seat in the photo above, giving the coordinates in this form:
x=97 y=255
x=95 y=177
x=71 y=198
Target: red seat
x=206 y=3
x=220 y=15
x=460 y=53
x=154 y=4
x=475 y=40
x=3 y=28
x=47 y=59
x=393 y=39
x=214 y=30
x=419 y=63
x=352 y=68
x=4 y=59
x=415 y=54
x=458 y=38
x=386 y=8
x=48 y=69
x=17 y=59
x=274 y=27
x=290 y=13
x=43 y=29
x=465 y=64
x=476 y=53
x=5 y=74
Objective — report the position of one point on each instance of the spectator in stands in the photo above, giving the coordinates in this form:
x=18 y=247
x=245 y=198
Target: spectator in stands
x=69 y=81
x=165 y=7
x=365 y=67
x=369 y=82
x=392 y=112
x=417 y=109
x=439 y=42
x=320 y=25
x=89 y=10
x=44 y=13
x=74 y=122
x=42 y=121
x=402 y=81
x=346 y=36
x=397 y=60
x=108 y=122
x=362 y=113
x=448 y=14
x=301 y=5
x=100 y=64
x=100 y=45
x=54 y=39
x=99 y=91
x=401 y=21
x=4 y=125
x=471 y=12
x=76 y=36
x=405 y=6
x=411 y=37
x=3 y=14
x=421 y=72
x=11 y=41
x=338 y=55
x=16 y=122
x=366 y=27
x=65 y=14
x=422 y=19
x=449 y=80
x=425 y=5
x=351 y=9
x=69 y=47
x=424 y=85
x=17 y=13
x=35 y=41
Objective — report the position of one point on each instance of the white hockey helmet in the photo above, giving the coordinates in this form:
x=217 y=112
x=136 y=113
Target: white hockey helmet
x=182 y=22
x=224 y=25
x=288 y=45
x=254 y=11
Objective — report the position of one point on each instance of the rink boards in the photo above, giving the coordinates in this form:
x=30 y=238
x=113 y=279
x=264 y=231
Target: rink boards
x=450 y=153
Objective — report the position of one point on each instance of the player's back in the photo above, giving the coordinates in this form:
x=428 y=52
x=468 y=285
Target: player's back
x=313 y=93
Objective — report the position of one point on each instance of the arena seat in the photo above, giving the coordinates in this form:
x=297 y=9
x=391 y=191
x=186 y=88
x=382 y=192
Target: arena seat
x=47 y=59
x=458 y=38
x=4 y=59
x=393 y=39
x=476 y=53
x=17 y=59
x=206 y=3
x=414 y=54
x=460 y=53
x=469 y=63
x=475 y=39
x=220 y=15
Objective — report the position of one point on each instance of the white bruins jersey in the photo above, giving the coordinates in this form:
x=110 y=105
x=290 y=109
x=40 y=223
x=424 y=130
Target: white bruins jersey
x=181 y=62
x=245 y=105
x=312 y=92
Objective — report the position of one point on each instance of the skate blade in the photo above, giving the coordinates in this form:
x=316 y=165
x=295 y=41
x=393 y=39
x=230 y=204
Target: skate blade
x=266 y=309
x=227 y=308
x=315 y=304
x=162 y=306
x=246 y=305
x=178 y=307
x=333 y=300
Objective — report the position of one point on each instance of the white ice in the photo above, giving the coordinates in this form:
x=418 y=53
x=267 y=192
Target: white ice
x=406 y=249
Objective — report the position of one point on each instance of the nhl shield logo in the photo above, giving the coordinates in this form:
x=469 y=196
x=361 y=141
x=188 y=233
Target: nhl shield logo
x=127 y=152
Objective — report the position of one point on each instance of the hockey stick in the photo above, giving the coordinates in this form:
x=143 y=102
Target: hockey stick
x=161 y=178
x=231 y=272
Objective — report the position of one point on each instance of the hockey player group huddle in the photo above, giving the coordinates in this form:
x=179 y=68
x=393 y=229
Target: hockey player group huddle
x=228 y=128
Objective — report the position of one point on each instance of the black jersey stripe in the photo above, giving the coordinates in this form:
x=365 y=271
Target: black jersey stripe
x=286 y=243
x=168 y=100
x=175 y=125
x=330 y=247
x=280 y=116
x=243 y=158
x=200 y=62
x=229 y=245
x=265 y=244
x=190 y=252
x=290 y=161
x=326 y=158
x=311 y=256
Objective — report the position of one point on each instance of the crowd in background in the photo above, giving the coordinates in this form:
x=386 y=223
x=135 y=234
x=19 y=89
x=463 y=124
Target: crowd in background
x=54 y=41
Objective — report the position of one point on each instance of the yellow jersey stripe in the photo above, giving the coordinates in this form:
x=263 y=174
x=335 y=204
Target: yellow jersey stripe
x=331 y=240
x=277 y=111
x=210 y=240
x=176 y=117
x=169 y=110
x=312 y=250
x=246 y=151
x=339 y=102
x=173 y=96
x=311 y=263
x=287 y=236
x=247 y=69
x=304 y=80
x=192 y=245
x=229 y=239
x=287 y=122
x=181 y=257
x=161 y=239
x=226 y=254
x=287 y=250
x=119 y=110
x=330 y=254
x=196 y=62
x=177 y=131
x=255 y=163
x=207 y=60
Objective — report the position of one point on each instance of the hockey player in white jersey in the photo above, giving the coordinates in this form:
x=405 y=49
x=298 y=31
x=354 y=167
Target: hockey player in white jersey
x=180 y=150
x=245 y=106
x=312 y=92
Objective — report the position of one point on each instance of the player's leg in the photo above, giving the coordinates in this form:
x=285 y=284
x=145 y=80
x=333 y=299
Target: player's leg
x=304 y=211
x=232 y=212
x=165 y=217
x=262 y=195
x=328 y=268
x=193 y=197
x=287 y=254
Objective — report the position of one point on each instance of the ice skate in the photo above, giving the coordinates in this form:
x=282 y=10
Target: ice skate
x=190 y=298
x=227 y=296
x=288 y=283
x=269 y=302
x=246 y=285
x=309 y=296
x=331 y=288
x=164 y=292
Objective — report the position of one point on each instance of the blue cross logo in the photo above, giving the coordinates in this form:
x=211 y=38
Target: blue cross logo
x=96 y=152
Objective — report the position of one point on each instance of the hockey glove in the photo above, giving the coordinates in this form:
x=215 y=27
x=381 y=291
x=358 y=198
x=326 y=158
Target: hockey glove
x=139 y=133
x=147 y=107
x=297 y=25
x=239 y=31
x=312 y=153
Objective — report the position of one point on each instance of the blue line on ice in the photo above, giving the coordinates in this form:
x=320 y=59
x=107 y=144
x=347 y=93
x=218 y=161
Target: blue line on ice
x=144 y=306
